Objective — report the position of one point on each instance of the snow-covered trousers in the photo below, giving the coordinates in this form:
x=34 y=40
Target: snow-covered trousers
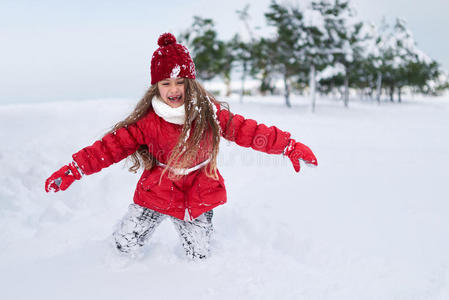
x=139 y=223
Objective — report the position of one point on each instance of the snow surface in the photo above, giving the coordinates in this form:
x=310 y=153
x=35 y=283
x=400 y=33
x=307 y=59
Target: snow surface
x=371 y=222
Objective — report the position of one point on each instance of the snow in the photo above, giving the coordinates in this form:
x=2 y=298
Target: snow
x=314 y=18
x=370 y=46
x=330 y=71
x=370 y=222
x=175 y=71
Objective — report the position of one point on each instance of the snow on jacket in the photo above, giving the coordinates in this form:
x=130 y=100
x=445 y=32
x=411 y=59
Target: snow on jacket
x=193 y=194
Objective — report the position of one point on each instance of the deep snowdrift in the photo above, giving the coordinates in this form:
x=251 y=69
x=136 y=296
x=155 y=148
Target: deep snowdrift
x=371 y=222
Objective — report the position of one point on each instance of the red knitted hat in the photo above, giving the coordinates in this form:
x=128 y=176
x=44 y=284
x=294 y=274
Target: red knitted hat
x=171 y=60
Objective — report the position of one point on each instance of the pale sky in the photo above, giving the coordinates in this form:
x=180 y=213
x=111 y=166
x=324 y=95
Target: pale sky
x=81 y=49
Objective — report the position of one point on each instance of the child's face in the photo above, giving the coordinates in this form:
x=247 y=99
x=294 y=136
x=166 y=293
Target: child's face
x=172 y=91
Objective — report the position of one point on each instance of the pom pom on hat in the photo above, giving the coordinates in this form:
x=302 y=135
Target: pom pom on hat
x=166 y=39
x=171 y=60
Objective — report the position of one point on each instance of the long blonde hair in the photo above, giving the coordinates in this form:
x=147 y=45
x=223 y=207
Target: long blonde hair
x=199 y=109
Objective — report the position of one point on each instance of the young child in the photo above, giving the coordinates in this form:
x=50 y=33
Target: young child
x=174 y=134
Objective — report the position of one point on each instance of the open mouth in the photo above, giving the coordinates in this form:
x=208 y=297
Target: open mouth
x=175 y=98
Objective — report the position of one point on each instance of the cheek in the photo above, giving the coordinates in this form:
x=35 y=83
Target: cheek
x=163 y=92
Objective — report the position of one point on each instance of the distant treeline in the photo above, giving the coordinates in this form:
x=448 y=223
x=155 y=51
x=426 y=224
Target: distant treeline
x=322 y=47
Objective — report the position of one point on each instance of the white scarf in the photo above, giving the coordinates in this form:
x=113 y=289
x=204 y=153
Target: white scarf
x=175 y=115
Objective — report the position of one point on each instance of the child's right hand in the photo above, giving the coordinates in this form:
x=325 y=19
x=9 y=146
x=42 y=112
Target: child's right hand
x=63 y=178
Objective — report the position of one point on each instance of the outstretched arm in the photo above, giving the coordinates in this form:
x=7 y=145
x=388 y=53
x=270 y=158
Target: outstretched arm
x=271 y=140
x=112 y=148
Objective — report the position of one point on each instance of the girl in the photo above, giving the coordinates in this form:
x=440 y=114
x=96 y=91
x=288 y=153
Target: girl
x=174 y=133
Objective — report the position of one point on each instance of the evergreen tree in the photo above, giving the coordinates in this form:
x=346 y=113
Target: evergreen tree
x=225 y=64
x=343 y=38
x=243 y=50
x=210 y=54
x=371 y=65
x=313 y=47
x=400 y=58
x=283 y=47
x=261 y=64
x=242 y=53
x=364 y=72
x=419 y=73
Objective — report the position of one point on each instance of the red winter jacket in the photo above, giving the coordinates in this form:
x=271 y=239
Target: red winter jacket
x=193 y=194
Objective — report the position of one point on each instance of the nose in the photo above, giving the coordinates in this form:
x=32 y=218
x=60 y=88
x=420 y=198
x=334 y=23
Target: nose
x=173 y=88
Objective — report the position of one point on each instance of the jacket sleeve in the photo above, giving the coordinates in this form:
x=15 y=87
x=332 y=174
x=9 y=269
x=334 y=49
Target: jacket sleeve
x=247 y=133
x=112 y=148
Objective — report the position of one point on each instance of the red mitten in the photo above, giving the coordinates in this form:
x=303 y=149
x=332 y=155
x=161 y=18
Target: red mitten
x=296 y=151
x=63 y=178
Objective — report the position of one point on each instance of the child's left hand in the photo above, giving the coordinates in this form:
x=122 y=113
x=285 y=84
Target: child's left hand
x=296 y=151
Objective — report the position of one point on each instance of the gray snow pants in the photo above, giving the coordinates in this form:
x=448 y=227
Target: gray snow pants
x=139 y=223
